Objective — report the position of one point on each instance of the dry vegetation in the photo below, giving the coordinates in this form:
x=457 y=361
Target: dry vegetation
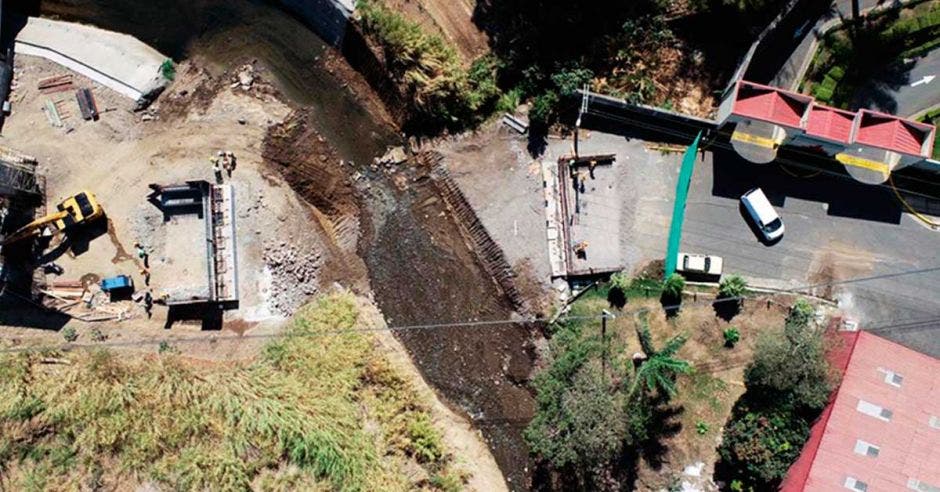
x=314 y=412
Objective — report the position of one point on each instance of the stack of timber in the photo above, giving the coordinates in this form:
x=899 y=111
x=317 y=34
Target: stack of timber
x=86 y=104
x=57 y=83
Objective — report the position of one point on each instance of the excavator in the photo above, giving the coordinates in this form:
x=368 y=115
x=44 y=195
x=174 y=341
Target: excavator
x=75 y=210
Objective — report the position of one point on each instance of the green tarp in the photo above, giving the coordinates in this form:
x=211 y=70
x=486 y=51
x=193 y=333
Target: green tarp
x=678 y=210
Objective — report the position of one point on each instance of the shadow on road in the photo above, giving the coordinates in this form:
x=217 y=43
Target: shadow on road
x=845 y=197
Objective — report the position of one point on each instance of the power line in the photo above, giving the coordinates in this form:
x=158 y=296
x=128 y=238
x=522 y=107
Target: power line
x=469 y=324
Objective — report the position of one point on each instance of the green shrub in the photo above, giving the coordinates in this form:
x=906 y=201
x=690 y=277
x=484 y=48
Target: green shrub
x=97 y=335
x=732 y=336
x=801 y=314
x=509 y=100
x=732 y=286
x=543 y=108
x=673 y=287
x=168 y=70
x=424 y=440
x=701 y=428
x=69 y=334
x=763 y=446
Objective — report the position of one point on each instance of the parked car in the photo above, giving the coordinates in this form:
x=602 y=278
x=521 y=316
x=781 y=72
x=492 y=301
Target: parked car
x=763 y=214
x=699 y=264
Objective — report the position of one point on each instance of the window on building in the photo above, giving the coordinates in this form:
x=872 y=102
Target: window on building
x=857 y=485
x=874 y=410
x=915 y=484
x=892 y=378
x=866 y=448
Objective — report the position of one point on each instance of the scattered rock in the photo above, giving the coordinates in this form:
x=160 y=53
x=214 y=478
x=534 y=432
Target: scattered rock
x=246 y=77
x=294 y=275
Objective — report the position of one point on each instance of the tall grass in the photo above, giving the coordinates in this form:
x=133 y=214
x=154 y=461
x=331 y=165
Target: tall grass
x=295 y=418
x=443 y=92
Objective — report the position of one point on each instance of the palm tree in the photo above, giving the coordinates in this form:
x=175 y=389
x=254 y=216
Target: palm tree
x=658 y=372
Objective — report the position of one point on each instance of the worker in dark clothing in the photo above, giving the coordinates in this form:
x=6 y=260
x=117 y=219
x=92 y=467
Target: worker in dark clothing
x=148 y=304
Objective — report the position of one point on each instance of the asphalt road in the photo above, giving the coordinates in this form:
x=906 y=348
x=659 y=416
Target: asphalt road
x=836 y=229
x=901 y=98
x=801 y=38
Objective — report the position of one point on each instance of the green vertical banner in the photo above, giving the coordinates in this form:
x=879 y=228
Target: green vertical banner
x=678 y=210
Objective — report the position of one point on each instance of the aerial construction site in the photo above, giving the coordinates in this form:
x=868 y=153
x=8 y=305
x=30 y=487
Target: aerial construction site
x=117 y=217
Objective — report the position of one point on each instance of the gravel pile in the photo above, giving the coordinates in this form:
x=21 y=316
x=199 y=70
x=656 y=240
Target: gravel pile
x=294 y=272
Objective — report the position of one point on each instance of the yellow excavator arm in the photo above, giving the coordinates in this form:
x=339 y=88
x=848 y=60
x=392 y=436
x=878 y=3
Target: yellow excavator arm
x=75 y=210
x=34 y=228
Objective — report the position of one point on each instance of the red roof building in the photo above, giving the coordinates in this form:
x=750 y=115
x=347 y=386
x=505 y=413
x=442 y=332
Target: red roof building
x=830 y=123
x=892 y=133
x=882 y=430
x=770 y=104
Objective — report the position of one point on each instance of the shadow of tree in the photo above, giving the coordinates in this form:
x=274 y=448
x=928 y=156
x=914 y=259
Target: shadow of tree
x=726 y=309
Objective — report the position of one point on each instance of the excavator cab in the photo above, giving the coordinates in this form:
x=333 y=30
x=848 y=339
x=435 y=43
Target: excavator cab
x=78 y=209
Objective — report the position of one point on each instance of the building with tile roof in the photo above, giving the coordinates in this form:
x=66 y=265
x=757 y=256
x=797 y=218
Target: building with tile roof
x=882 y=429
x=869 y=144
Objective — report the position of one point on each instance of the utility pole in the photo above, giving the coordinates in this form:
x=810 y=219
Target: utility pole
x=604 y=315
x=577 y=123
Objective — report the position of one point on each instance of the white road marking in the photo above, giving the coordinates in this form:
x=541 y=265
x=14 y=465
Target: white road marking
x=926 y=80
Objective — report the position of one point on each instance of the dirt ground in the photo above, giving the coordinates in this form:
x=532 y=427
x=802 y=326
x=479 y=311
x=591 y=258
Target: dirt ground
x=119 y=155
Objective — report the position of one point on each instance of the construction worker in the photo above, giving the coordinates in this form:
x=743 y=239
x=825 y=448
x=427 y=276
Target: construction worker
x=580 y=249
x=591 y=166
x=229 y=163
x=142 y=254
x=148 y=304
x=216 y=170
x=146 y=274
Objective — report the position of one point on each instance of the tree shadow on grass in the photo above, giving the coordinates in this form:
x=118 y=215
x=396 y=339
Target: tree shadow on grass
x=671 y=304
x=726 y=308
x=663 y=425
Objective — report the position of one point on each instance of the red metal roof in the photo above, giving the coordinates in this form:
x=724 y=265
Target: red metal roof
x=908 y=446
x=771 y=104
x=830 y=123
x=892 y=133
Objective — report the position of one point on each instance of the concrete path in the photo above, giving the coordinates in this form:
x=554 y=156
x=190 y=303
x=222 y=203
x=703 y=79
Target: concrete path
x=117 y=61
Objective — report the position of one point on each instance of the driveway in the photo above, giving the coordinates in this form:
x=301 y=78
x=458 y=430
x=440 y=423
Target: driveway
x=836 y=229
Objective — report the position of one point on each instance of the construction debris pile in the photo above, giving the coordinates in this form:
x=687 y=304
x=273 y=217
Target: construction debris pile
x=85 y=300
x=294 y=274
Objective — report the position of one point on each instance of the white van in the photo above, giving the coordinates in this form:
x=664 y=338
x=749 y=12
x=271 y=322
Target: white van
x=763 y=213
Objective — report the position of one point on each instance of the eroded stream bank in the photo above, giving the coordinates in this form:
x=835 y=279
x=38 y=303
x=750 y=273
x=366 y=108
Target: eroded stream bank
x=416 y=262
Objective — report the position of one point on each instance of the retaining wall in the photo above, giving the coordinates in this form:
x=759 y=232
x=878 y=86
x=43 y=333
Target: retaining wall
x=489 y=253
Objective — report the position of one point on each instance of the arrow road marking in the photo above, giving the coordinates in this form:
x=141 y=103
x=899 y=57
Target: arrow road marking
x=926 y=80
